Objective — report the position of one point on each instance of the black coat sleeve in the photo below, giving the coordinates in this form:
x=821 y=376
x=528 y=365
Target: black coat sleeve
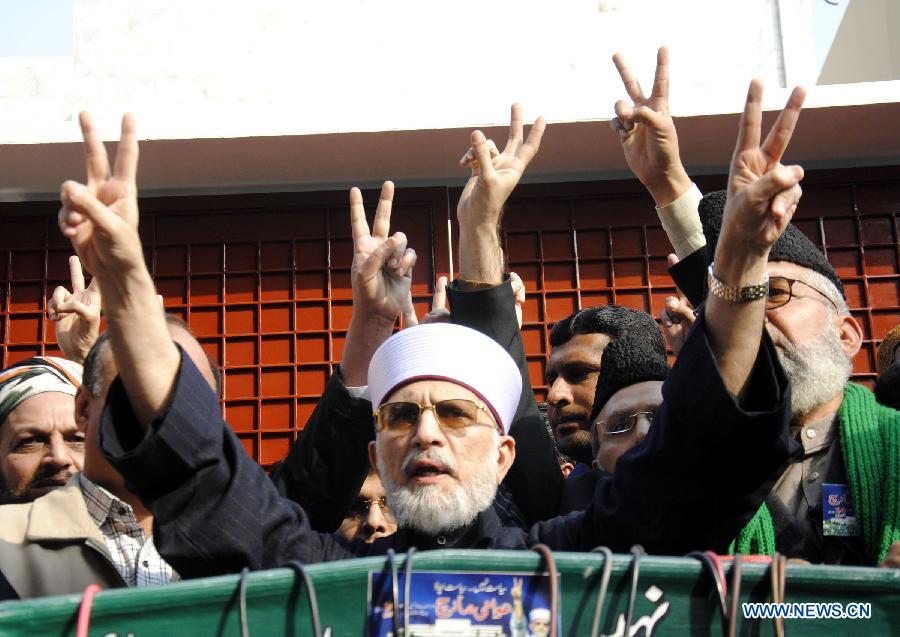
x=214 y=509
x=704 y=468
x=327 y=465
x=535 y=480
x=689 y=275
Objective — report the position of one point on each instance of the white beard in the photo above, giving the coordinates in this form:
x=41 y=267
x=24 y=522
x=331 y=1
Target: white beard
x=428 y=508
x=818 y=370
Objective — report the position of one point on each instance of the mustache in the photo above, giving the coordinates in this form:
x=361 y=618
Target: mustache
x=432 y=454
x=48 y=477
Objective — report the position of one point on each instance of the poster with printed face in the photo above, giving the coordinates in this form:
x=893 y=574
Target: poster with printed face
x=458 y=604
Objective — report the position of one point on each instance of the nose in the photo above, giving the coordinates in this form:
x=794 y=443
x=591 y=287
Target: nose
x=375 y=523
x=427 y=431
x=641 y=427
x=58 y=454
x=560 y=393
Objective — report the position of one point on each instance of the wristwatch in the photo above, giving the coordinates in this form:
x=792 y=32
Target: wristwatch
x=736 y=293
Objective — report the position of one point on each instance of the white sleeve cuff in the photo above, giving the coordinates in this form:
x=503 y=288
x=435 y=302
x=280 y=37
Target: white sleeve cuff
x=358 y=392
x=681 y=222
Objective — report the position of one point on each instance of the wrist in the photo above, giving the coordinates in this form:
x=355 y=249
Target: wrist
x=670 y=187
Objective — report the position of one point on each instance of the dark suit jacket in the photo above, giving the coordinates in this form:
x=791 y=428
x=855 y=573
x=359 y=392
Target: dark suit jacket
x=703 y=469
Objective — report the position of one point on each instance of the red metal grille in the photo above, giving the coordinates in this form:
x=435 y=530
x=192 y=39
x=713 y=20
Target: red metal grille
x=263 y=280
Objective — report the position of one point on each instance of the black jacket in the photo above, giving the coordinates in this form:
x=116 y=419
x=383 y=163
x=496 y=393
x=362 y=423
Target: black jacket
x=703 y=469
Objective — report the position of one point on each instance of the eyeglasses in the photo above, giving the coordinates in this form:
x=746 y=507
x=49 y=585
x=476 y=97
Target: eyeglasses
x=781 y=291
x=621 y=425
x=456 y=413
x=361 y=507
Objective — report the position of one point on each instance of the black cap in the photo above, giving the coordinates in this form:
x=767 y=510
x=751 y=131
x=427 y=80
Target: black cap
x=792 y=246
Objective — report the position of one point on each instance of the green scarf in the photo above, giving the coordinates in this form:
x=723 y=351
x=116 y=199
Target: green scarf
x=870 y=439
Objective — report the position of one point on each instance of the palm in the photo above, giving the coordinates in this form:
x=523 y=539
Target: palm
x=116 y=189
x=384 y=292
x=754 y=164
x=382 y=265
x=493 y=179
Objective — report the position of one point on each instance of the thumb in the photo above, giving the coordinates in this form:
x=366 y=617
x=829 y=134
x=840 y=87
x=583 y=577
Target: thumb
x=672 y=259
x=439 y=301
x=379 y=257
x=773 y=182
x=648 y=117
x=482 y=152
x=80 y=199
x=409 y=312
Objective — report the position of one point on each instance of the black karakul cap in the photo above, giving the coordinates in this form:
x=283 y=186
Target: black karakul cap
x=637 y=355
x=792 y=246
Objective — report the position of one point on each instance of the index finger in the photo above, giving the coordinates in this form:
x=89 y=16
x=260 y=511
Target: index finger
x=783 y=128
x=125 y=167
x=359 y=227
x=439 y=300
x=751 y=118
x=95 y=158
x=76 y=273
x=661 y=77
x=632 y=86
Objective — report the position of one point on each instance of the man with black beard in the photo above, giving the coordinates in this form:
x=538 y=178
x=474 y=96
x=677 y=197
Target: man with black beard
x=836 y=502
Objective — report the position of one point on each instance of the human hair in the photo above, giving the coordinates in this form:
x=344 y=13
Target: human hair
x=606 y=319
x=92 y=376
x=824 y=285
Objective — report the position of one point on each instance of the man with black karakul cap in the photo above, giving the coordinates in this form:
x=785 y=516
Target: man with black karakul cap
x=851 y=443
x=839 y=501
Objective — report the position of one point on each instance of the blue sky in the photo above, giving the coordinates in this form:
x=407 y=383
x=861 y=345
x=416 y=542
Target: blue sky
x=35 y=28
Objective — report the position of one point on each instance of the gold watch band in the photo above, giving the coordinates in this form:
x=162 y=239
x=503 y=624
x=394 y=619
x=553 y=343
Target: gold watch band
x=736 y=293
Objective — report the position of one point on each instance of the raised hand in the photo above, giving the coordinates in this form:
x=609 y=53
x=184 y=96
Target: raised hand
x=755 y=215
x=483 y=196
x=101 y=217
x=382 y=265
x=647 y=132
x=77 y=314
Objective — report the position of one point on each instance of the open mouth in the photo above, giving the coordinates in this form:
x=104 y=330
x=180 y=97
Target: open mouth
x=427 y=471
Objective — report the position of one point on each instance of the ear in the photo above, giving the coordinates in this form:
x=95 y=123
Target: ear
x=82 y=408
x=506 y=456
x=373 y=457
x=851 y=334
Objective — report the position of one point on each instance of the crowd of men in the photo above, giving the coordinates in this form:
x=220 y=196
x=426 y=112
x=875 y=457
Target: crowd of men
x=118 y=468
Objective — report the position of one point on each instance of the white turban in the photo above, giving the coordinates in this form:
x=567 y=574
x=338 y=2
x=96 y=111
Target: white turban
x=36 y=376
x=539 y=614
x=444 y=351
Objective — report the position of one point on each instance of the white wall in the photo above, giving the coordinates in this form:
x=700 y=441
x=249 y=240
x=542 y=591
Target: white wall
x=211 y=68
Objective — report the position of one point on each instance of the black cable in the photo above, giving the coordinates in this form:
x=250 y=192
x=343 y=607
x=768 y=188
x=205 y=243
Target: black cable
x=547 y=554
x=407 y=578
x=604 y=583
x=298 y=569
x=713 y=570
x=393 y=565
x=242 y=602
x=636 y=551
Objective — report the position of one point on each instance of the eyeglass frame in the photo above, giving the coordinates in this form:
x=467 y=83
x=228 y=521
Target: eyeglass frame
x=596 y=425
x=382 y=504
x=433 y=408
x=791 y=292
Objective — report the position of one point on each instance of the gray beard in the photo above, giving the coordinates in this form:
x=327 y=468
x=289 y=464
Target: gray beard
x=431 y=511
x=818 y=370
